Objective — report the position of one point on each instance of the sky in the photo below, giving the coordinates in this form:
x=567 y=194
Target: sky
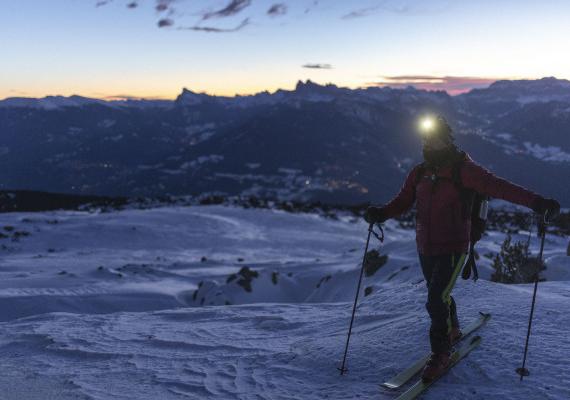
x=154 y=48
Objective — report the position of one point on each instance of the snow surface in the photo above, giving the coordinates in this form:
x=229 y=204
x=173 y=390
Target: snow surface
x=107 y=306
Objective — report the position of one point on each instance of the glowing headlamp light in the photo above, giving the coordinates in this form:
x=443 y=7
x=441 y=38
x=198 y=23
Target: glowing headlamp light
x=427 y=126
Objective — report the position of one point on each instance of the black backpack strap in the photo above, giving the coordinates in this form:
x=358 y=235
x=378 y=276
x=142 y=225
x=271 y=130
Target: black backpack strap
x=467 y=195
x=456 y=170
x=420 y=170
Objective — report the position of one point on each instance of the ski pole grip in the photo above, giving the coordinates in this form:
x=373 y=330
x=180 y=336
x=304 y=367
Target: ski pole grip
x=549 y=215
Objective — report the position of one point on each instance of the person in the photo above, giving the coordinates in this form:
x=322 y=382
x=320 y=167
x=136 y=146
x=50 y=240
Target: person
x=443 y=225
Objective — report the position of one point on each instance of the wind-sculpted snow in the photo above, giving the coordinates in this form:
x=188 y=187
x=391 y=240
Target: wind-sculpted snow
x=109 y=306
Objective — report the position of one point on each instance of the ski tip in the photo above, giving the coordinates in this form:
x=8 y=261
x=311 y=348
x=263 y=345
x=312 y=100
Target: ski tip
x=389 y=385
x=485 y=315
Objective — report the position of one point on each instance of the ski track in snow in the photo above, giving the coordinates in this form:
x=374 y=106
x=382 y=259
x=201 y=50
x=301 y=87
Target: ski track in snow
x=120 y=321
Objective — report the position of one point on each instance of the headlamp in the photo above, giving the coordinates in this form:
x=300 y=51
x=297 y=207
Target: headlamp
x=427 y=126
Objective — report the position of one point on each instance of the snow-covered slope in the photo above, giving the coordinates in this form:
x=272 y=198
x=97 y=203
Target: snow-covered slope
x=108 y=306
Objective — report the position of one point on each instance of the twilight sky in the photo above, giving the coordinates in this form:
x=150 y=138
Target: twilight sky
x=154 y=48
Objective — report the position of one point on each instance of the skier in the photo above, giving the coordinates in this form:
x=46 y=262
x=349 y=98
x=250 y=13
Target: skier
x=443 y=225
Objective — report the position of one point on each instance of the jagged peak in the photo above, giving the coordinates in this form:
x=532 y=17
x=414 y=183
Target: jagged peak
x=550 y=80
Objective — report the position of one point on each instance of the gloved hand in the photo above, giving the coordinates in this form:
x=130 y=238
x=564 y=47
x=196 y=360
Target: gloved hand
x=542 y=205
x=374 y=215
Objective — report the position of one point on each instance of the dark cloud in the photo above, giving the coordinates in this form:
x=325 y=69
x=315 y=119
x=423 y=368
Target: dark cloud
x=170 y=12
x=318 y=66
x=212 y=29
x=163 y=5
x=277 y=10
x=451 y=84
x=165 y=22
x=233 y=8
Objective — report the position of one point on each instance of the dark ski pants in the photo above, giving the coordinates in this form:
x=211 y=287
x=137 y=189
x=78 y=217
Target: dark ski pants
x=440 y=273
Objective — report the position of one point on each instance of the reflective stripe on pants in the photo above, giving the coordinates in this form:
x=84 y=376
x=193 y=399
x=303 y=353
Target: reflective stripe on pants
x=440 y=273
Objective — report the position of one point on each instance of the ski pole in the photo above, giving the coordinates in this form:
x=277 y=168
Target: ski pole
x=522 y=371
x=343 y=369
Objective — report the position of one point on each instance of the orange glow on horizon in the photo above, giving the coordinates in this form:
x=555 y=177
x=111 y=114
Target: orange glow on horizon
x=453 y=85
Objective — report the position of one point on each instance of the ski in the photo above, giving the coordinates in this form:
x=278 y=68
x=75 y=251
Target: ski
x=419 y=387
x=415 y=368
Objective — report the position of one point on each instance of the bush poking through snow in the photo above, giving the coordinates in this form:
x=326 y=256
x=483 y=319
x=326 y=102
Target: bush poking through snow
x=368 y=291
x=373 y=262
x=515 y=264
x=246 y=276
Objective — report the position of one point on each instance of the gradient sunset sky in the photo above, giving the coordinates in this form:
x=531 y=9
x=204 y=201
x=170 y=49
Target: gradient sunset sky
x=154 y=48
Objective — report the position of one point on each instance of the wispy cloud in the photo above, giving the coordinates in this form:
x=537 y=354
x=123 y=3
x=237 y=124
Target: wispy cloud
x=314 y=4
x=20 y=93
x=212 y=29
x=277 y=9
x=126 y=97
x=362 y=12
x=317 y=66
x=233 y=8
x=451 y=84
x=398 y=7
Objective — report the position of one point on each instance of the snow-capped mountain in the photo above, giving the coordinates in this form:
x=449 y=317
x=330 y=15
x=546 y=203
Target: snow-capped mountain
x=523 y=91
x=60 y=102
x=49 y=102
x=319 y=142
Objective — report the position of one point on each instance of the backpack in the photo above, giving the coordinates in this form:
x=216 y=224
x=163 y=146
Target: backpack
x=475 y=204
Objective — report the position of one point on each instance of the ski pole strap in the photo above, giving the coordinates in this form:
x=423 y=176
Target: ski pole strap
x=470 y=265
x=544 y=220
x=380 y=236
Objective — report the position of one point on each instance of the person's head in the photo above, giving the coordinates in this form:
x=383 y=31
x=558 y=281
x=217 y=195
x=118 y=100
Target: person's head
x=436 y=133
x=437 y=140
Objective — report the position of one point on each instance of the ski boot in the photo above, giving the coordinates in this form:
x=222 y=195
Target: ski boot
x=436 y=365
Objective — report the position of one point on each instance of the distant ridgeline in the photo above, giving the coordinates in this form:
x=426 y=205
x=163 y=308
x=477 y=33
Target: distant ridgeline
x=326 y=143
x=27 y=200
x=504 y=220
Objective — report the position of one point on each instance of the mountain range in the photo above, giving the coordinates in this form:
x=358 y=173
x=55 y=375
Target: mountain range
x=317 y=142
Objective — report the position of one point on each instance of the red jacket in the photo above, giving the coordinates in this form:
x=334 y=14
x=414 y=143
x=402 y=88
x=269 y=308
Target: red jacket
x=441 y=224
